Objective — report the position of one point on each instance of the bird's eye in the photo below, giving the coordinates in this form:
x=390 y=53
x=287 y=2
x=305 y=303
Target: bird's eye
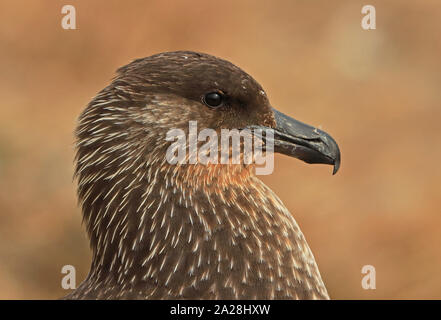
x=213 y=99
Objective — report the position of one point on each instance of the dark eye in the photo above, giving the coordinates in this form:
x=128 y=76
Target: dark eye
x=213 y=99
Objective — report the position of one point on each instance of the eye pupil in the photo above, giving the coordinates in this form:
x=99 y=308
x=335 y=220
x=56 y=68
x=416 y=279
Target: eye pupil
x=213 y=99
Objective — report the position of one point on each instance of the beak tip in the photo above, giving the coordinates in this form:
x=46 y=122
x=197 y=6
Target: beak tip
x=336 y=166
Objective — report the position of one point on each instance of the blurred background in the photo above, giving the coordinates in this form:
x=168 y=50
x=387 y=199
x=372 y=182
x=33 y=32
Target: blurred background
x=377 y=92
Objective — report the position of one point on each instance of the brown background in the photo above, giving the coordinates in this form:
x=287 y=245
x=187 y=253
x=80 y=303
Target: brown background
x=377 y=92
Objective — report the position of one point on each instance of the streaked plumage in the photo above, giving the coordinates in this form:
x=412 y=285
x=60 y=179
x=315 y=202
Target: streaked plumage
x=162 y=231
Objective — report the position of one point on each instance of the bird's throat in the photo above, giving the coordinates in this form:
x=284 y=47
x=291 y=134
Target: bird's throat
x=198 y=235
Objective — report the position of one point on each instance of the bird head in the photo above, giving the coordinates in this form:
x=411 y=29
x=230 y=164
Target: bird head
x=124 y=128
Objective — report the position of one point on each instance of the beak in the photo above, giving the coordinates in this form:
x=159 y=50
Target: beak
x=301 y=141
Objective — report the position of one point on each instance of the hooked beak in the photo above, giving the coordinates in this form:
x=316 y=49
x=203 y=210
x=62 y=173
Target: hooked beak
x=309 y=144
x=301 y=141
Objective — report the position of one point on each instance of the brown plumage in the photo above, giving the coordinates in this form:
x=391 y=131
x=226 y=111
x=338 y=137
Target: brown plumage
x=188 y=231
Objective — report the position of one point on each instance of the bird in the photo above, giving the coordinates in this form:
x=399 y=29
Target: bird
x=189 y=231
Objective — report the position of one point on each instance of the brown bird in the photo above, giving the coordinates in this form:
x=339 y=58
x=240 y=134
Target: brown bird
x=189 y=231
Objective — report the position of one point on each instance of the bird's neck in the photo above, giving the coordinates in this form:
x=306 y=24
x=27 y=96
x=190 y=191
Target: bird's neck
x=178 y=232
